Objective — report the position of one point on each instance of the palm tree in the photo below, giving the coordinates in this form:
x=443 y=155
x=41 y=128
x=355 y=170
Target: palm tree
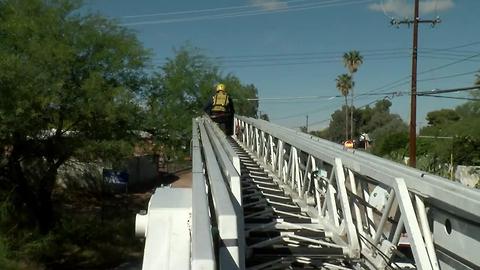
x=352 y=60
x=344 y=85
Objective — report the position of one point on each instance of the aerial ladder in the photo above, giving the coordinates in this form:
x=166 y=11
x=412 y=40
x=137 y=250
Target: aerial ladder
x=269 y=197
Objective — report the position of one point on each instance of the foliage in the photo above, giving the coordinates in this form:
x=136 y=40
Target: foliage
x=352 y=60
x=69 y=86
x=180 y=91
x=336 y=129
x=461 y=125
x=344 y=85
x=74 y=88
x=442 y=117
x=264 y=116
x=385 y=129
x=390 y=142
x=84 y=238
x=241 y=94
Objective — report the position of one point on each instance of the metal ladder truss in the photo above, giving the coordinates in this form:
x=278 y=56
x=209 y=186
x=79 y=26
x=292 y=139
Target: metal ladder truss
x=367 y=207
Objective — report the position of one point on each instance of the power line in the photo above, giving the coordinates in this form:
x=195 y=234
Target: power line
x=293 y=98
x=450 y=64
x=323 y=108
x=457 y=46
x=448 y=76
x=449 y=97
x=332 y=55
x=291 y=61
x=453 y=90
x=403 y=81
x=363 y=106
x=297 y=63
x=250 y=13
x=391 y=95
x=202 y=10
x=338 y=54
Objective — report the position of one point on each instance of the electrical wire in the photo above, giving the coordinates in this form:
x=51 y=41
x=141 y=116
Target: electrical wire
x=202 y=10
x=323 y=108
x=448 y=76
x=383 y=255
x=293 y=98
x=391 y=95
x=331 y=55
x=386 y=95
x=403 y=81
x=449 y=64
x=338 y=54
x=453 y=90
x=250 y=13
x=296 y=63
x=328 y=119
x=462 y=46
x=448 y=97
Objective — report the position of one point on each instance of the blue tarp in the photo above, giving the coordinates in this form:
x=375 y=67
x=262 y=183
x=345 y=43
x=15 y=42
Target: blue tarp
x=115 y=177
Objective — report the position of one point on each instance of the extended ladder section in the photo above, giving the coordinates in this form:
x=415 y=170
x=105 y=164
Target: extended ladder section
x=373 y=207
x=273 y=198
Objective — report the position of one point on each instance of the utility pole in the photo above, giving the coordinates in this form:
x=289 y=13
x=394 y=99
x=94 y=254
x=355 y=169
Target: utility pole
x=306 y=125
x=412 y=147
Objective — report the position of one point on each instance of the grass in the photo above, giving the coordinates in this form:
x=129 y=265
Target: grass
x=95 y=228
x=93 y=233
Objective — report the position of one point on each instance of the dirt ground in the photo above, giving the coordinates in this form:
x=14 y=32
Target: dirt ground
x=184 y=180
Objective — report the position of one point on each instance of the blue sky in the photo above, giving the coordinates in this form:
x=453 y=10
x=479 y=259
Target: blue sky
x=292 y=49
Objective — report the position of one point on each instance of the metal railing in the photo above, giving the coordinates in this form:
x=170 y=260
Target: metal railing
x=371 y=205
x=203 y=257
x=223 y=184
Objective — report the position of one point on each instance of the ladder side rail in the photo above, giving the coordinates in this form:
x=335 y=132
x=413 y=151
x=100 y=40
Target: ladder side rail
x=223 y=208
x=226 y=166
x=203 y=257
x=232 y=155
x=233 y=178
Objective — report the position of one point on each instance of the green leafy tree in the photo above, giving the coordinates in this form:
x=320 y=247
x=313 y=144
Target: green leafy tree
x=179 y=93
x=442 y=117
x=352 y=61
x=180 y=89
x=68 y=85
x=451 y=138
x=378 y=122
x=336 y=129
x=344 y=85
x=264 y=116
x=244 y=96
x=390 y=142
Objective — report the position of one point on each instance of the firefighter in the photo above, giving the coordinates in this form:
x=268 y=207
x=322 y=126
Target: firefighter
x=221 y=110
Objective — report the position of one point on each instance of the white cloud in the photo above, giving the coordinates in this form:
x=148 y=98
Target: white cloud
x=269 y=4
x=404 y=8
